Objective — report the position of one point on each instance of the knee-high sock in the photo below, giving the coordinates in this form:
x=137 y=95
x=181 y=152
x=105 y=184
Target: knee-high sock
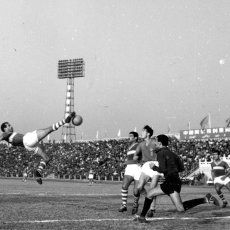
x=58 y=124
x=146 y=206
x=41 y=166
x=221 y=195
x=136 y=200
x=124 y=196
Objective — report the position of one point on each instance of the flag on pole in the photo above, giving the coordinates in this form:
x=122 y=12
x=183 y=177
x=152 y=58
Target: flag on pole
x=119 y=133
x=206 y=122
x=97 y=135
x=169 y=128
x=228 y=122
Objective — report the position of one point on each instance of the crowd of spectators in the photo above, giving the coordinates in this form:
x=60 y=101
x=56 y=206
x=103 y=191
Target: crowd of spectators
x=76 y=159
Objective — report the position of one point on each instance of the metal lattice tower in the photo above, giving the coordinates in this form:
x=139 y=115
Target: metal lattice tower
x=70 y=69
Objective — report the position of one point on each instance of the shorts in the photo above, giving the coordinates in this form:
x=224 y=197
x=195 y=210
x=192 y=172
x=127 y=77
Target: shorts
x=90 y=176
x=218 y=180
x=133 y=170
x=30 y=141
x=25 y=174
x=148 y=171
x=171 y=184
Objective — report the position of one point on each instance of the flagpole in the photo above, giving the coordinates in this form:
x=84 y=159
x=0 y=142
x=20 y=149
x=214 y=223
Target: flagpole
x=97 y=135
x=209 y=120
x=119 y=133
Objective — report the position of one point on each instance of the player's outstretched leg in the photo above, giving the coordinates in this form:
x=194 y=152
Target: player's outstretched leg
x=209 y=198
x=42 y=133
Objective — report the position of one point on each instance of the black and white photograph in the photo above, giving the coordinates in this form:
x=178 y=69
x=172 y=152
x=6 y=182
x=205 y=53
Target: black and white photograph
x=114 y=114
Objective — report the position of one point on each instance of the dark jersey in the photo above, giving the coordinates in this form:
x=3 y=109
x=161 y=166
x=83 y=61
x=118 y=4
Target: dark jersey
x=147 y=151
x=130 y=153
x=169 y=162
x=219 y=169
x=16 y=139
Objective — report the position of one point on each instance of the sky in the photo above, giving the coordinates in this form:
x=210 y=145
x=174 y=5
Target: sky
x=161 y=63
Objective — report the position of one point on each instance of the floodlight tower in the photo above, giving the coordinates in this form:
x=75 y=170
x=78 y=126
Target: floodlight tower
x=70 y=69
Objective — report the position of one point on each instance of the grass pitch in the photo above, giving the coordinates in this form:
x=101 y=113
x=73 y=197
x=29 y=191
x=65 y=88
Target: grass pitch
x=74 y=205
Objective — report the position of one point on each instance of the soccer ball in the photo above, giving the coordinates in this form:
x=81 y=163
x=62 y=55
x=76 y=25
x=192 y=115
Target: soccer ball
x=77 y=120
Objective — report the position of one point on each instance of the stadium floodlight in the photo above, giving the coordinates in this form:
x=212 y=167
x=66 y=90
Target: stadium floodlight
x=70 y=69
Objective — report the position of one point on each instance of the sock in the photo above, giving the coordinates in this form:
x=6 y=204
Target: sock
x=124 y=196
x=221 y=195
x=41 y=166
x=135 y=201
x=58 y=124
x=146 y=206
x=192 y=203
x=153 y=205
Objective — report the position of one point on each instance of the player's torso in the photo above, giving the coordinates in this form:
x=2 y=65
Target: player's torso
x=219 y=168
x=16 y=139
x=130 y=154
x=171 y=161
x=148 y=151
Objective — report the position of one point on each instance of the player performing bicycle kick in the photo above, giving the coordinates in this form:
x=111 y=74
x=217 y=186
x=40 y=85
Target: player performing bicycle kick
x=30 y=141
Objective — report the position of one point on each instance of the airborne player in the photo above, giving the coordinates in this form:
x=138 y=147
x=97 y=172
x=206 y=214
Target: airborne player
x=30 y=141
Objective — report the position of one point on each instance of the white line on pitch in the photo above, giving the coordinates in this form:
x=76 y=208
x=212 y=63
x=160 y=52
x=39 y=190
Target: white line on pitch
x=53 y=194
x=100 y=220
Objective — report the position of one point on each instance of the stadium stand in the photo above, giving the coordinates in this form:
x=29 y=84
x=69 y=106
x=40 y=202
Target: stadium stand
x=74 y=160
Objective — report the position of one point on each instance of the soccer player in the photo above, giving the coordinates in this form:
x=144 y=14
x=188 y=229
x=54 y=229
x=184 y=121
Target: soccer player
x=25 y=172
x=30 y=141
x=132 y=170
x=146 y=149
x=171 y=165
x=91 y=176
x=220 y=175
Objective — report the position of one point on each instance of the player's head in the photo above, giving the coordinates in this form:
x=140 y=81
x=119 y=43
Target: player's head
x=147 y=131
x=215 y=153
x=162 y=140
x=133 y=136
x=6 y=127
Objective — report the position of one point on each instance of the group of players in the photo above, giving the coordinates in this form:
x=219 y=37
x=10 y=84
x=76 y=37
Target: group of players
x=147 y=161
x=151 y=159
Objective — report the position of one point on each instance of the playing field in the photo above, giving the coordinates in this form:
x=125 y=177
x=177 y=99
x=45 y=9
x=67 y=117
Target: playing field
x=73 y=205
